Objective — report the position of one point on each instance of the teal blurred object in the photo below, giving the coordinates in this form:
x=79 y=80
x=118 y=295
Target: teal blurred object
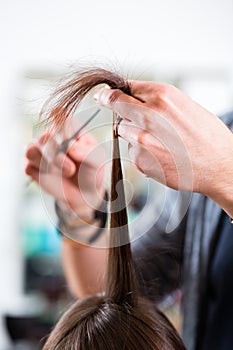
x=40 y=240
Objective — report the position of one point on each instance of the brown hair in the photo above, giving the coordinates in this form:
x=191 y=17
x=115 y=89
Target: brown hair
x=119 y=318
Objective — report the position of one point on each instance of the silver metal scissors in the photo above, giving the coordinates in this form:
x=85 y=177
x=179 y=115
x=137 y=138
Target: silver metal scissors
x=65 y=144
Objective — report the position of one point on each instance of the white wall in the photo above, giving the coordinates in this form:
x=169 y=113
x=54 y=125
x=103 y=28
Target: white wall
x=165 y=37
x=173 y=32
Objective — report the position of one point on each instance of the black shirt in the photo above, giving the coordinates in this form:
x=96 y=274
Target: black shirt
x=217 y=328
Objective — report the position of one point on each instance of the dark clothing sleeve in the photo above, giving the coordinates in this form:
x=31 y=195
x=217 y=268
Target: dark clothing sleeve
x=158 y=255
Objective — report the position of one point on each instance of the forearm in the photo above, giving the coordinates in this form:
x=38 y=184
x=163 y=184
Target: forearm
x=84 y=250
x=221 y=189
x=84 y=267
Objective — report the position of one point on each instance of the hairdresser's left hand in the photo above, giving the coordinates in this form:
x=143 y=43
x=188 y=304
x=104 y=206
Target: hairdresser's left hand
x=74 y=178
x=173 y=139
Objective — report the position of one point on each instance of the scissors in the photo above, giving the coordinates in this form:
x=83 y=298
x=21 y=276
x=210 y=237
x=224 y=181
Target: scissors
x=65 y=144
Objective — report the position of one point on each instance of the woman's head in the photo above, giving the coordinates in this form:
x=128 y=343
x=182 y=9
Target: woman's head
x=97 y=323
x=119 y=318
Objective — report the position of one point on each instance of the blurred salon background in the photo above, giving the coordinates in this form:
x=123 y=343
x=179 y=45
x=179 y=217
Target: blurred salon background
x=185 y=42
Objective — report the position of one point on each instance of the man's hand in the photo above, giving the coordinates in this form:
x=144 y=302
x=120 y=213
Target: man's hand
x=174 y=140
x=74 y=178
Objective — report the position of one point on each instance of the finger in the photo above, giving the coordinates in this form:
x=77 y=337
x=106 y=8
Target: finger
x=135 y=135
x=92 y=154
x=78 y=151
x=36 y=153
x=37 y=160
x=86 y=138
x=33 y=155
x=52 y=162
x=63 y=190
x=83 y=139
x=48 y=146
x=147 y=163
x=65 y=164
x=60 y=188
x=44 y=138
x=155 y=95
x=33 y=172
x=126 y=106
x=145 y=90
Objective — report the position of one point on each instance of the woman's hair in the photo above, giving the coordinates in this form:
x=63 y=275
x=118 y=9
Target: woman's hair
x=118 y=319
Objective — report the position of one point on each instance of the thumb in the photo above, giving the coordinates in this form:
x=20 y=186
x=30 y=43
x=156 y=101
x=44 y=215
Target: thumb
x=118 y=101
x=93 y=155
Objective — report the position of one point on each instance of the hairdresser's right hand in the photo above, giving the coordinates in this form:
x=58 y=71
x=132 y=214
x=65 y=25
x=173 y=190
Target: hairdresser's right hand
x=171 y=137
x=75 y=178
x=175 y=140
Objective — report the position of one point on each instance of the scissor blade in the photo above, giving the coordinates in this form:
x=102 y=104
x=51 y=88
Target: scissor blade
x=64 y=146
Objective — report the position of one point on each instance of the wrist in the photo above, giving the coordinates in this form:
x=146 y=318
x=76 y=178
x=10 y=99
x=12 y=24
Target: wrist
x=220 y=178
x=81 y=230
x=221 y=190
x=223 y=196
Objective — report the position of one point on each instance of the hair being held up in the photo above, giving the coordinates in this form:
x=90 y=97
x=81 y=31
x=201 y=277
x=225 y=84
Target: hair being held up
x=119 y=318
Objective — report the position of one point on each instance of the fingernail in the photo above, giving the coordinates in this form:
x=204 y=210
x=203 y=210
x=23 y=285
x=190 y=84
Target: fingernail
x=96 y=96
x=101 y=96
x=121 y=130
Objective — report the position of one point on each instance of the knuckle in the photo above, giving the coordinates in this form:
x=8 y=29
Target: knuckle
x=141 y=137
x=162 y=95
x=138 y=163
x=148 y=122
x=114 y=96
x=44 y=138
